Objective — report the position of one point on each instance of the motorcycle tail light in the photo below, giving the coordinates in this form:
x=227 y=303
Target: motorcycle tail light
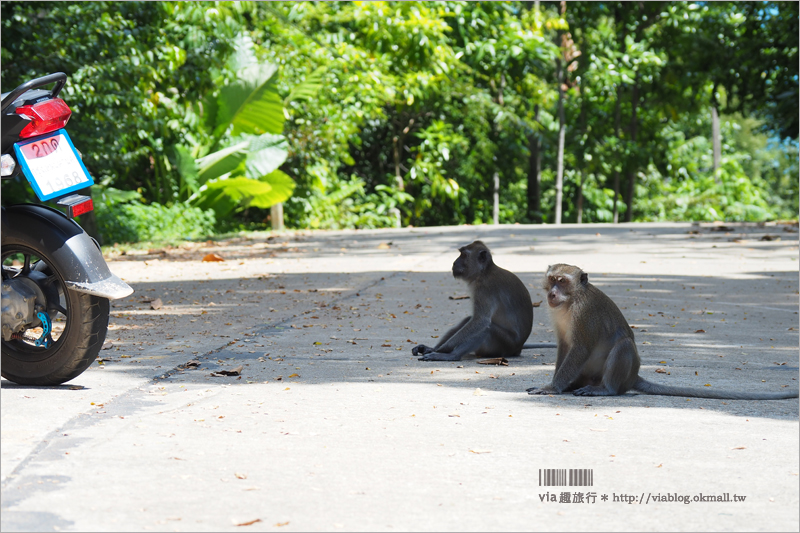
x=76 y=204
x=47 y=116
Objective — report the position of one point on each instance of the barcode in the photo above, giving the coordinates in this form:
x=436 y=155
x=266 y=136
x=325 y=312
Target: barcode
x=562 y=477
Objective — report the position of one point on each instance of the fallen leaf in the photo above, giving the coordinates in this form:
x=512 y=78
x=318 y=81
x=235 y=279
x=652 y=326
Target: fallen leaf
x=478 y=392
x=481 y=451
x=739 y=448
x=770 y=238
x=700 y=331
x=537 y=304
x=235 y=372
x=250 y=523
x=281 y=524
x=194 y=363
x=156 y=304
x=295 y=376
x=383 y=246
x=660 y=371
x=465 y=297
x=107 y=345
x=240 y=476
x=495 y=361
x=212 y=257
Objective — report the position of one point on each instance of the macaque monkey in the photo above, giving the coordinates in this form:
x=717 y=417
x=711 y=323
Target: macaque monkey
x=596 y=353
x=502 y=313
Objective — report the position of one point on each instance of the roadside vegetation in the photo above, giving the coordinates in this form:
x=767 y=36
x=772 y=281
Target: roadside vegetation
x=195 y=118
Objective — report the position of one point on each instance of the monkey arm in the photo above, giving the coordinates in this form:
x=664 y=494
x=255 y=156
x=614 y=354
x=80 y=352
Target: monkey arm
x=478 y=336
x=569 y=368
x=569 y=363
x=462 y=343
x=422 y=349
x=452 y=331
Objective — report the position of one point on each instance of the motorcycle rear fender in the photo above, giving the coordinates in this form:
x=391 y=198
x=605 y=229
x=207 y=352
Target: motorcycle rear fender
x=78 y=255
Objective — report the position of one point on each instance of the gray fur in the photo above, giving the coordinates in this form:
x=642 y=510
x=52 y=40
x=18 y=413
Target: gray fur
x=502 y=313
x=596 y=353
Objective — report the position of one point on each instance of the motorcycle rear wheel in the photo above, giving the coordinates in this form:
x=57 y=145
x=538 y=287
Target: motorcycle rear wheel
x=79 y=319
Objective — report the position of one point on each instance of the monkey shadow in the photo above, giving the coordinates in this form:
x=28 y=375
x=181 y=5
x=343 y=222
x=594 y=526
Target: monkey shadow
x=733 y=334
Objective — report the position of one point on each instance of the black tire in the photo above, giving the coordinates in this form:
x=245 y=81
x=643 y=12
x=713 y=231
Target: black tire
x=85 y=328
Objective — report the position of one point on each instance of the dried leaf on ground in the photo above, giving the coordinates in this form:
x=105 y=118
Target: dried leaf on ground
x=384 y=246
x=212 y=257
x=156 y=304
x=107 y=345
x=700 y=331
x=235 y=372
x=537 y=304
x=465 y=297
x=499 y=361
x=249 y=523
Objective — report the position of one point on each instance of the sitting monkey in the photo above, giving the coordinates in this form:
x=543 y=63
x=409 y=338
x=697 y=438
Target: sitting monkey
x=502 y=313
x=596 y=353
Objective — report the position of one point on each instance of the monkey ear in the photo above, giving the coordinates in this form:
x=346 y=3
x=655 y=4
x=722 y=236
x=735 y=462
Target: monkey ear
x=482 y=256
x=584 y=278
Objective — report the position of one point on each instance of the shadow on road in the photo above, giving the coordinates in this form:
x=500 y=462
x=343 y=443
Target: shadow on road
x=733 y=334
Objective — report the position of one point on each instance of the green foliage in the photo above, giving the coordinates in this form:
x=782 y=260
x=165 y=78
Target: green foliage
x=350 y=112
x=121 y=217
x=246 y=118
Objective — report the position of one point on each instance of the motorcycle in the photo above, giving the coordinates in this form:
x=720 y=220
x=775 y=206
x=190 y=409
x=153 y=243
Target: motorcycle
x=56 y=285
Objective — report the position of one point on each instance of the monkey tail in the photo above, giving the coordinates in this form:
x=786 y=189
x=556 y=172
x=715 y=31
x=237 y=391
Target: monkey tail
x=648 y=387
x=539 y=345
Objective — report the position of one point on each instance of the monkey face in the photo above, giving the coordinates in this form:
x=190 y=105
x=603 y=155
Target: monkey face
x=561 y=281
x=557 y=295
x=473 y=260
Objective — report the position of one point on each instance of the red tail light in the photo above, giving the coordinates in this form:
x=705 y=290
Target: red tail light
x=47 y=116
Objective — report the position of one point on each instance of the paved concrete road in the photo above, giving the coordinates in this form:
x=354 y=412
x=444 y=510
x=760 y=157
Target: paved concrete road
x=332 y=425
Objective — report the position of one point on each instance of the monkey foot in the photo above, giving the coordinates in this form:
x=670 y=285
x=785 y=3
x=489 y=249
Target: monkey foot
x=437 y=356
x=543 y=390
x=592 y=390
x=421 y=349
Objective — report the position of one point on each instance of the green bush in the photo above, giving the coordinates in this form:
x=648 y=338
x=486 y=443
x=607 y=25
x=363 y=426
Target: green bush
x=122 y=217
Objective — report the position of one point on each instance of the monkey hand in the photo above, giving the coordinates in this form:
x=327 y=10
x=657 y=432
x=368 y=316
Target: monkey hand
x=542 y=390
x=421 y=349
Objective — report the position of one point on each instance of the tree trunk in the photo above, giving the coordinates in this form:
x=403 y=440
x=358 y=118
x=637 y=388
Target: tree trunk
x=716 y=140
x=561 y=137
x=633 y=164
x=496 y=206
x=579 y=220
x=616 y=170
x=398 y=141
x=535 y=175
x=276 y=217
